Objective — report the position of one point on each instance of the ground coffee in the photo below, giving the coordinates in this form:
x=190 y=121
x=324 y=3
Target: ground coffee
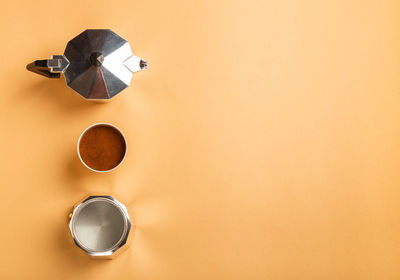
x=102 y=147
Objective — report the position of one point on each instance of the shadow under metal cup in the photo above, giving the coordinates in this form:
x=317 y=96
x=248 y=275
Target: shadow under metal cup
x=100 y=226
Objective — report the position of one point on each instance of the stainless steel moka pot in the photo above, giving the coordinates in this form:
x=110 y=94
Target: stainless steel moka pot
x=100 y=226
x=97 y=64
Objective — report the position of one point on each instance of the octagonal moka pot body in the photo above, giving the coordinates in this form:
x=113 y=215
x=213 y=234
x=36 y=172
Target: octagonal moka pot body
x=100 y=226
x=97 y=64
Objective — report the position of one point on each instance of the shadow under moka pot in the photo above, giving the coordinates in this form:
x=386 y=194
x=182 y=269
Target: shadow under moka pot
x=97 y=64
x=100 y=226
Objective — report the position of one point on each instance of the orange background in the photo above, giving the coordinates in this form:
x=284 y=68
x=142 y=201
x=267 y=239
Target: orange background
x=263 y=140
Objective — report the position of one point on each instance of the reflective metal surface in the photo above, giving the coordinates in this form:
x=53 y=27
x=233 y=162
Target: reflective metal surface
x=100 y=226
x=97 y=64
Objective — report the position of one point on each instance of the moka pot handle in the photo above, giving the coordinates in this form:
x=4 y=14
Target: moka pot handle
x=50 y=68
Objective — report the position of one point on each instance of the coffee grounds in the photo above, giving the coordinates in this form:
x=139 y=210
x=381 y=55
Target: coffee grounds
x=102 y=147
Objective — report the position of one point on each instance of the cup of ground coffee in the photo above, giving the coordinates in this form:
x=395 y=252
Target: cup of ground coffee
x=102 y=147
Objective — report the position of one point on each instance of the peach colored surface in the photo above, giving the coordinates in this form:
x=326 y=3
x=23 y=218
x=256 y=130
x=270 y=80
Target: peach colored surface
x=264 y=140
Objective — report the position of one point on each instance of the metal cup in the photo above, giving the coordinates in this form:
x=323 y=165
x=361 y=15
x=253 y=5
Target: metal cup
x=100 y=226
